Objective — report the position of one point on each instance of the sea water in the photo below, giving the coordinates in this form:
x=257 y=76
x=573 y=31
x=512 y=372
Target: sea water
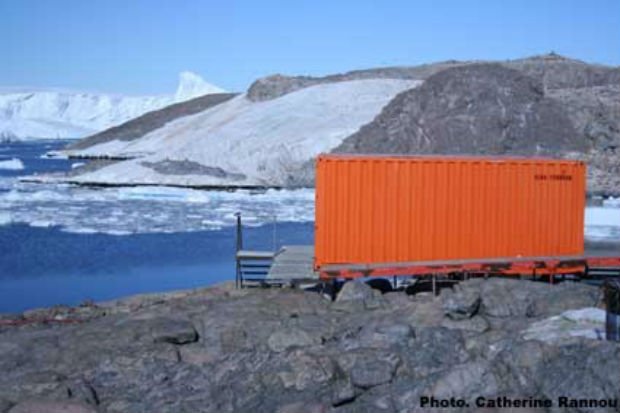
x=62 y=244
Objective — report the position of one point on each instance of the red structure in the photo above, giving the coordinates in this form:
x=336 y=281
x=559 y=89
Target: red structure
x=400 y=215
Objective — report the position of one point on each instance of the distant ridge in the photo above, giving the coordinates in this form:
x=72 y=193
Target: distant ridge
x=150 y=121
x=546 y=105
x=27 y=113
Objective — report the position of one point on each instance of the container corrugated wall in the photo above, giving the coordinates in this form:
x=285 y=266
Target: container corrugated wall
x=383 y=209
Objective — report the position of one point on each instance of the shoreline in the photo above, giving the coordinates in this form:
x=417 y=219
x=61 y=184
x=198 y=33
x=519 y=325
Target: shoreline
x=592 y=197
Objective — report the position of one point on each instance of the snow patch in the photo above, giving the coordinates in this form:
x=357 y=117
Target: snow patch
x=586 y=315
x=12 y=164
x=602 y=223
x=612 y=202
x=586 y=322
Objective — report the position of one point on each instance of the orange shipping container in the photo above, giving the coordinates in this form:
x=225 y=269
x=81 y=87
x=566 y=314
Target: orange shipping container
x=388 y=209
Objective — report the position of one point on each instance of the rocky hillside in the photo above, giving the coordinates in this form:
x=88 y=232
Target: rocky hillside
x=495 y=110
x=559 y=72
x=544 y=105
x=286 y=351
x=552 y=70
x=274 y=86
x=474 y=109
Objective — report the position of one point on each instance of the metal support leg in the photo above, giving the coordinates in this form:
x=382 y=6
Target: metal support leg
x=239 y=247
x=434 y=285
x=332 y=285
x=238 y=274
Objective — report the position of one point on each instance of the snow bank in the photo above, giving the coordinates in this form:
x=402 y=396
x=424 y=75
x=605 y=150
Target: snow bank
x=602 y=223
x=12 y=164
x=612 y=202
x=268 y=143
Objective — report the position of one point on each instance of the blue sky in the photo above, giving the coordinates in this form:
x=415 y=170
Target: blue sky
x=140 y=46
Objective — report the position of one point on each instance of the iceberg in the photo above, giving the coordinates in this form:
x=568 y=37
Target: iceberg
x=27 y=113
x=192 y=85
x=12 y=164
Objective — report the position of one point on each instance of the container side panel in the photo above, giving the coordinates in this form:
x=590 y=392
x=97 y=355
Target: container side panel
x=374 y=210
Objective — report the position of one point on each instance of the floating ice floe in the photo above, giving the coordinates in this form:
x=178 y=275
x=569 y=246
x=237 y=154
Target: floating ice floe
x=151 y=209
x=123 y=211
x=54 y=155
x=11 y=164
x=586 y=322
x=162 y=193
x=5 y=218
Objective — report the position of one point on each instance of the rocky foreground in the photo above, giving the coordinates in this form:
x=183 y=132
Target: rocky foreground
x=221 y=350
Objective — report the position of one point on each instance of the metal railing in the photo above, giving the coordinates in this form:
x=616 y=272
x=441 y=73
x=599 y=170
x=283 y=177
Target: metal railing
x=252 y=265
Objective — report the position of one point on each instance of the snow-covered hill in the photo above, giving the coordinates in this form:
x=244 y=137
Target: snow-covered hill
x=53 y=113
x=270 y=135
x=245 y=143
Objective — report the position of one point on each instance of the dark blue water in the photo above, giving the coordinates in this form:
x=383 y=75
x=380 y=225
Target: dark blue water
x=30 y=154
x=45 y=266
